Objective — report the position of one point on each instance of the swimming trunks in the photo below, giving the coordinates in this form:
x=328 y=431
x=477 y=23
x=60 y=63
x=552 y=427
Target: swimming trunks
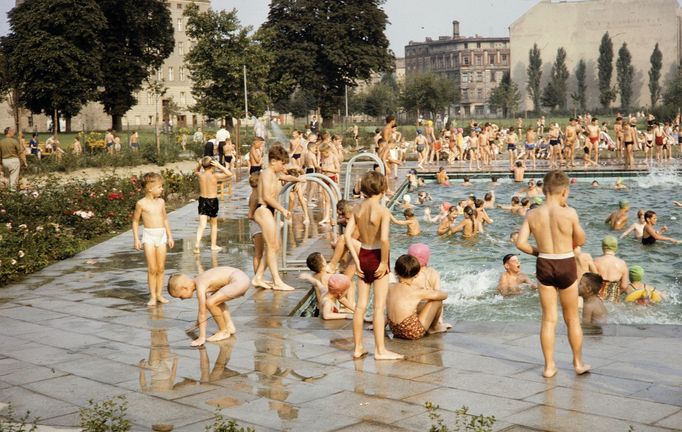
x=369 y=263
x=649 y=144
x=154 y=236
x=208 y=207
x=511 y=147
x=530 y=146
x=254 y=228
x=272 y=210
x=627 y=143
x=420 y=148
x=586 y=150
x=296 y=155
x=228 y=159
x=554 y=142
x=557 y=270
x=610 y=291
x=254 y=169
x=410 y=328
x=334 y=177
x=659 y=140
x=594 y=140
x=647 y=241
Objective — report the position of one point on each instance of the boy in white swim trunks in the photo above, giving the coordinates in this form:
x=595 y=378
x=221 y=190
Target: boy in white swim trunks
x=214 y=288
x=155 y=235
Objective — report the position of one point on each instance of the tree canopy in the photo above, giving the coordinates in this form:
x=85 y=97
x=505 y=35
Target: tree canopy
x=556 y=89
x=655 y=75
x=323 y=46
x=534 y=72
x=605 y=68
x=137 y=38
x=580 y=94
x=429 y=93
x=625 y=74
x=506 y=96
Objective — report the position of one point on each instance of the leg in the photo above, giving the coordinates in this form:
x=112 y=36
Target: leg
x=200 y=232
x=358 y=319
x=380 y=293
x=258 y=247
x=160 y=255
x=214 y=234
x=216 y=306
x=548 y=300
x=150 y=257
x=270 y=234
x=569 y=305
x=429 y=316
x=304 y=204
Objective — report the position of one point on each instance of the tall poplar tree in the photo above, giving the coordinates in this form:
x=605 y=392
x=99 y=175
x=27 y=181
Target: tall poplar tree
x=556 y=90
x=626 y=73
x=580 y=94
x=655 y=75
x=605 y=68
x=534 y=72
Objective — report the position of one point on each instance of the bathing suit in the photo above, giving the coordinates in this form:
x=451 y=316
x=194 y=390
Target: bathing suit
x=610 y=291
x=659 y=140
x=627 y=143
x=272 y=210
x=410 y=328
x=530 y=146
x=647 y=241
x=557 y=270
x=333 y=177
x=228 y=159
x=554 y=142
x=255 y=169
x=511 y=147
x=420 y=148
x=309 y=170
x=369 y=262
x=154 y=236
x=208 y=207
x=594 y=140
x=586 y=150
x=296 y=155
x=649 y=143
x=254 y=228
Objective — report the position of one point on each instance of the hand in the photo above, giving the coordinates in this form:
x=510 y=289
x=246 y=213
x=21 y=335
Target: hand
x=287 y=215
x=381 y=270
x=171 y=242
x=138 y=244
x=664 y=229
x=198 y=342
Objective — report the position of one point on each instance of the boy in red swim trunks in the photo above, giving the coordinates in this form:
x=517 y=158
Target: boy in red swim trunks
x=373 y=222
x=557 y=232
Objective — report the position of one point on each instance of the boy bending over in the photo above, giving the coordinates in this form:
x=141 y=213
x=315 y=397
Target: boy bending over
x=214 y=287
x=556 y=229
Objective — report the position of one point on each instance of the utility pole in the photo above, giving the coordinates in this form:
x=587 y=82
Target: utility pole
x=246 y=97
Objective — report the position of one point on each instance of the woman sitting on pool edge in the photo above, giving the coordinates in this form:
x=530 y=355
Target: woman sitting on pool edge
x=649 y=234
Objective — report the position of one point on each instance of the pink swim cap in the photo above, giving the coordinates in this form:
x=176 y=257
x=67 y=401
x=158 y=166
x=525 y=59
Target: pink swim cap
x=338 y=284
x=445 y=206
x=421 y=252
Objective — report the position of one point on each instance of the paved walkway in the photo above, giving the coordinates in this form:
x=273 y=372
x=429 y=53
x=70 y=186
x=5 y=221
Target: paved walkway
x=79 y=330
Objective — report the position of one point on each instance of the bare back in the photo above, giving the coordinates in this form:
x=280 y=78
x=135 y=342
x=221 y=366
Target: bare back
x=208 y=184
x=369 y=218
x=214 y=279
x=555 y=228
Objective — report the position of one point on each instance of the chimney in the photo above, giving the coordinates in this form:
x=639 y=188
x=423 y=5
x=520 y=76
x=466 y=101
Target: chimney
x=455 y=29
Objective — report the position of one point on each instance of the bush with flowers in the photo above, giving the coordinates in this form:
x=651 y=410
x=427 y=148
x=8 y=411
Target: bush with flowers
x=53 y=221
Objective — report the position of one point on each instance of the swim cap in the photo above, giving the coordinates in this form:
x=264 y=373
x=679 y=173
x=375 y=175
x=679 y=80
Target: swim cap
x=445 y=206
x=421 y=252
x=419 y=131
x=537 y=200
x=338 y=284
x=407 y=199
x=574 y=181
x=624 y=203
x=609 y=243
x=636 y=273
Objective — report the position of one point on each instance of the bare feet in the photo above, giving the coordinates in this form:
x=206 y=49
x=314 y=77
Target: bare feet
x=218 y=336
x=196 y=250
x=388 y=355
x=324 y=221
x=151 y=302
x=162 y=300
x=582 y=369
x=438 y=328
x=260 y=283
x=216 y=248
x=231 y=328
x=549 y=372
x=282 y=287
x=359 y=353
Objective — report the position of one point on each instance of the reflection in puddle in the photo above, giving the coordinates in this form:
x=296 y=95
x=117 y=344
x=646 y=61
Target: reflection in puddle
x=162 y=363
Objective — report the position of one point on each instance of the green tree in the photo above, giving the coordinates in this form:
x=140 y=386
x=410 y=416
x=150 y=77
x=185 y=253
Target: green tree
x=550 y=96
x=137 y=38
x=429 y=93
x=534 y=72
x=580 y=95
x=324 y=46
x=381 y=99
x=671 y=99
x=605 y=68
x=625 y=74
x=506 y=96
x=655 y=75
x=216 y=63
x=560 y=76
x=55 y=61
x=299 y=103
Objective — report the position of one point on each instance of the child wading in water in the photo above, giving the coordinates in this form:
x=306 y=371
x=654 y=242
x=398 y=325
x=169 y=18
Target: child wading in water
x=208 y=199
x=557 y=232
x=156 y=234
x=373 y=221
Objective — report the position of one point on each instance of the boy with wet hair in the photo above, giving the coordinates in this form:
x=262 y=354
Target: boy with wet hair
x=511 y=280
x=413 y=228
x=256 y=155
x=557 y=231
x=407 y=318
x=373 y=220
x=214 y=288
x=594 y=311
x=208 y=199
x=156 y=234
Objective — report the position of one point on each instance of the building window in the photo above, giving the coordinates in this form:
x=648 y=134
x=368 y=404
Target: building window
x=179 y=6
x=181 y=72
x=183 y=100
x=479 y=60
x=479 y=93
x=181 y=48
x=478 y=45
x=491 y=59
x=492 y=76
x=465 y=61
x=180 y=25
x=150 y=120
x=479 y=76
x=504 y=59
x=170 y=73
x=150 y=99
x=465 y=78
x=466 y=45
x=159 y=74
x=479 y=110
x=465 y=94
x=138 y=120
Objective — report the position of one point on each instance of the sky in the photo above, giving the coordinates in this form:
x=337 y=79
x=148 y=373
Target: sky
x=409 y=19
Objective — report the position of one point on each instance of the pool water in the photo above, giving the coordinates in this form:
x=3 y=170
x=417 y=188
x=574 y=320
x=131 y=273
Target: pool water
x=470 y=268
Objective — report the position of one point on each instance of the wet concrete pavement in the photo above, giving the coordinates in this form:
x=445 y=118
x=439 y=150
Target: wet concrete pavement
x=80 y=330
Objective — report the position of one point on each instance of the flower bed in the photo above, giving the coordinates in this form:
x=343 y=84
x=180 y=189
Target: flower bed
x=53 y=221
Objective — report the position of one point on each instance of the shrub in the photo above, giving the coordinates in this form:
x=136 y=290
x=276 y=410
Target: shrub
x=221 y=425
x=22 y=424
x=464 y=422
x=106 y=416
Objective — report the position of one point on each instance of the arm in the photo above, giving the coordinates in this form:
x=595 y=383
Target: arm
x=399 y=222
x=202 y=316
x=502 y=285
x=425 y=294
x=578 y=233
x=628 y=231
x=657 y=235
x=625 y=279
x=328 y=313
x=385 y=245
x=522 y=243
x=348 y=237
x=136 y=226
x=166 y=225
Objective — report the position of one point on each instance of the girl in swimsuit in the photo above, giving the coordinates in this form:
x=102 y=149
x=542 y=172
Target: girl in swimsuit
x=468 y=225
x=650 y=235
x=637 y=228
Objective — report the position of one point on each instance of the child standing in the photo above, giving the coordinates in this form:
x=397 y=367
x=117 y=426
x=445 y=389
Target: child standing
x=557 y=231
x=373 y=222
x=208 y=199
x=156 y=234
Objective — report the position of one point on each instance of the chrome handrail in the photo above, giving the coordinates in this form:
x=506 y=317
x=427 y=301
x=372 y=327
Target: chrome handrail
x=347 y=189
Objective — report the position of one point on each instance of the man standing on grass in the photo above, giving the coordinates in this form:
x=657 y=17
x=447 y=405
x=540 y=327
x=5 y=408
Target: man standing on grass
x=12 y=156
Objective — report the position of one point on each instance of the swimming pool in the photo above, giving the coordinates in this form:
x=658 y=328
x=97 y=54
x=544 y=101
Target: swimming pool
x=470 y=269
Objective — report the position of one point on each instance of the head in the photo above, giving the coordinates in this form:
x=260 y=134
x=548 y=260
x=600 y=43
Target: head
x=511 y=263
x=325 y=150
x=589 y=285
x=595 y=183
x=640 y=214
x=344 y=208
x=519 y=164
x=152 y=183
x=258 y=142
x=441 y=169
x=407 y=267
x=624 y=204
x=513 y=237
x=479 y=203
x=420 y=251
x=316 y=262
x=488 y=197
x=407 y=199
x=609 y=244
x=525 y=202
x=338 y=284
x=408 y=213
x=181 y=286
x=372 y=184
x=636 y=273
x=493 y=179
x=515 y=200
x=650 y=217
x=278 y=158
x=446 y=206
x=390 y=120
x=556 y=183
x=9 y=131
x=206 y=162
x=469 y=212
